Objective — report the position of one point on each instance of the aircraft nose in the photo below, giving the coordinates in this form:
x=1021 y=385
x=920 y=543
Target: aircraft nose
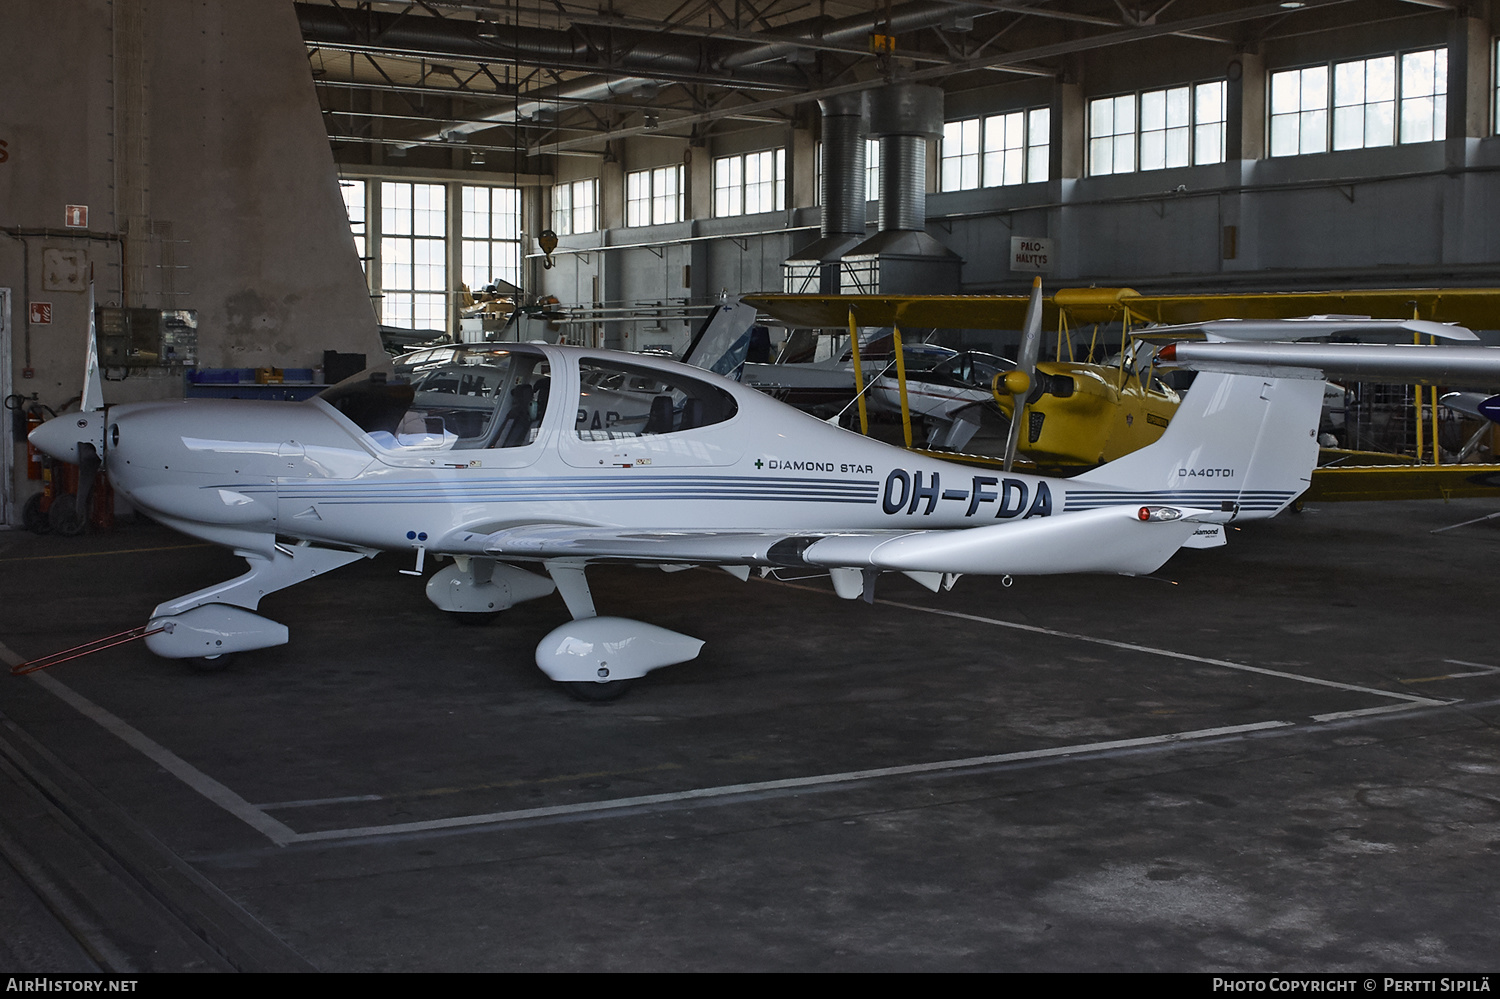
x=59 y=437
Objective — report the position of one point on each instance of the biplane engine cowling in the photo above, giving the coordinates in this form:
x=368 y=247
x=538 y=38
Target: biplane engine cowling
x=603 y=649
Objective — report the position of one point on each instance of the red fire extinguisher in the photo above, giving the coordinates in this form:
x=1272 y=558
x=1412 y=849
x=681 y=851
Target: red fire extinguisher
x=33 y=456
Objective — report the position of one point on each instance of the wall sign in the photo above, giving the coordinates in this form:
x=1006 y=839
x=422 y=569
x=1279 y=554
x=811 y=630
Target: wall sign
x=76 y=217
x=41 y=313
x=1031 y=253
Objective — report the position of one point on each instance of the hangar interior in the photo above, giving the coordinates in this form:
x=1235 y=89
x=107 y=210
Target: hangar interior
x=199 y=161
x=289 y=188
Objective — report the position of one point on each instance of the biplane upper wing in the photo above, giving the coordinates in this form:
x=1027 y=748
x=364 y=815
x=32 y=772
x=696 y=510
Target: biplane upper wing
x=993 y=312
x=1476 y=308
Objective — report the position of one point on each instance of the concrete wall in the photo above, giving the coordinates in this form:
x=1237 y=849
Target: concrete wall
x=191 y=130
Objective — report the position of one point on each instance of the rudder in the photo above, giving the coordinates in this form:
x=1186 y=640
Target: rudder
x=1245 y=445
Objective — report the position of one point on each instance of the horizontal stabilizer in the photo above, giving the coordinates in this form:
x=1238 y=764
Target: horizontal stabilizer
x=1400 y=362
x=1250 y=330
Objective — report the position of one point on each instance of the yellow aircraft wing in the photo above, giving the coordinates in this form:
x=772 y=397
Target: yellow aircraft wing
x=974 y=312
x=1402 y=482
x=1476 y=308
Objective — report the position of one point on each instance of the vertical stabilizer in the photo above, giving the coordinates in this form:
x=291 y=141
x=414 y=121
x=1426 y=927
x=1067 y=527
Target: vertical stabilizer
x=1242 y=444
x=723 y=341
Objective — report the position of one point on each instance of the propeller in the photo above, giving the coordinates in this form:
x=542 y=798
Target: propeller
x=1018 y=381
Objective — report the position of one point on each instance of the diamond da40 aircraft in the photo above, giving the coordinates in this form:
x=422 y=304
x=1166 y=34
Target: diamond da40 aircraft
x=525 y=463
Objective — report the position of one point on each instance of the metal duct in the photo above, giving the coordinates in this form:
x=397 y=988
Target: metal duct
x=843 y=181
x=581 y=48
x=901 y=258
x=855 y=29
x=904 y=116
x=903 y=183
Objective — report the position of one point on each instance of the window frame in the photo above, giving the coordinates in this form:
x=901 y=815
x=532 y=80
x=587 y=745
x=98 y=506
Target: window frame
x=732 y=183
x=990 y=160
x=1145 y=129
x=659 y=204
x=1336 y=117
x=566 y=207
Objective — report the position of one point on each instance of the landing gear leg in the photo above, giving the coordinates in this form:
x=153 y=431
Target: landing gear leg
x=216 y=619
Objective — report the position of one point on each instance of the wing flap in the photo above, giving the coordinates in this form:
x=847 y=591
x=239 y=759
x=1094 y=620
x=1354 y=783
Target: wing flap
x=1109 y=539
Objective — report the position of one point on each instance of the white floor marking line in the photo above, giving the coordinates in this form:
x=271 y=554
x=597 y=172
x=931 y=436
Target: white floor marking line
x=790 y=783
x=1480 y=670
x=1411 y=699
x=282 y=835
x=348 y=799
x=194 y=778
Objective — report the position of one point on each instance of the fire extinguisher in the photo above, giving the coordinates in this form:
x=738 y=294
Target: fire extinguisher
x=26 y=415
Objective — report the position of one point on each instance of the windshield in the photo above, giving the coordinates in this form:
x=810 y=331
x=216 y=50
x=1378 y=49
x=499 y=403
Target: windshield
x=974 y=368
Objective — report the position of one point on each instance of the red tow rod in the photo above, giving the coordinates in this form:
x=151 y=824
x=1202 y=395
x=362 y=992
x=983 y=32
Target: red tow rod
x=87 y=648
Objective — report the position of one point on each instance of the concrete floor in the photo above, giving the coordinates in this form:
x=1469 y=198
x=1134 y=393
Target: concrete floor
x=1282 y=755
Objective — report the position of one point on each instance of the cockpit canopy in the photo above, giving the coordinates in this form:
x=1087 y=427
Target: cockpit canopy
x=450 y=397
x=492 y=397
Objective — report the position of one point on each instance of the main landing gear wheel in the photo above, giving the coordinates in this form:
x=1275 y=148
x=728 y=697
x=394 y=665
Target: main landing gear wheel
x=209 y=664
x=33 y=518
x=474 y=619
x=596 y=692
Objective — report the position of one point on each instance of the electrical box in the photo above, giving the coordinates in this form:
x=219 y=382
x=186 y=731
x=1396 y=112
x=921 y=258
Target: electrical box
x=147 y=338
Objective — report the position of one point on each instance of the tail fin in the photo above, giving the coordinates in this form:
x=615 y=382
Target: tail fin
x=1242 y=444
x=723 y=341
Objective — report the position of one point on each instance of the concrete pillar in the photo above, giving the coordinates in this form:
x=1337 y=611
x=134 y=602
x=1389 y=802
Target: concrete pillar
x=1245 y=108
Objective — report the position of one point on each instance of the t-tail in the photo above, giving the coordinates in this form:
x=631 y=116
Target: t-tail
x=1242 y=445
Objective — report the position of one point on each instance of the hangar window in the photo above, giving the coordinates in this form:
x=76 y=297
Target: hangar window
x=354 y=203
x=1361 y=103
x=655 y=197
x=622 y=400
x=1157 y=129
x=575 y=207
x=1001 y=149
x=750 y=184
x=414 y=255
x=491 y=235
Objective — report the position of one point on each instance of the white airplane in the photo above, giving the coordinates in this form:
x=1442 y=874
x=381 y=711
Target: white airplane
x=488 y=457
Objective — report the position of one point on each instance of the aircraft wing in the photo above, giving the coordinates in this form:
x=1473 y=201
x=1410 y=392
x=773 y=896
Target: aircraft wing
x=1401 y=362
x=1109 y=539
